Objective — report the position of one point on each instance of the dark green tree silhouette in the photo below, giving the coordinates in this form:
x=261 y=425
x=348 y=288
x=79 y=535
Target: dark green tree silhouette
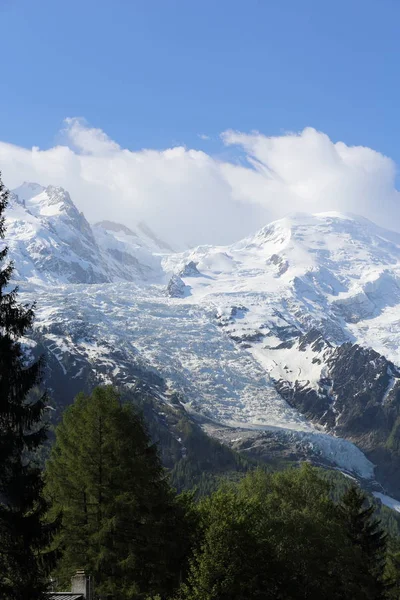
x=367 y=536
x=23 y=536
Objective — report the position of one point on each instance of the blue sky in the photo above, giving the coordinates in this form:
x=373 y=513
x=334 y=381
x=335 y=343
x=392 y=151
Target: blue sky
x=155 y=73
x=317 y=78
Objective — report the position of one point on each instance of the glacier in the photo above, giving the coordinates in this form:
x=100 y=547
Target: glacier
x=237 y=328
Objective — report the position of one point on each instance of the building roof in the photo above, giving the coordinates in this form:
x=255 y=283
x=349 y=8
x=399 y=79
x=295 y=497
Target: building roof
x=64 y=596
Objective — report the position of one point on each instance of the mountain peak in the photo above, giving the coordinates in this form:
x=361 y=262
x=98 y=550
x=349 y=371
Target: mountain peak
x=28 y=190
x=115 y=227
x=50 y=201
x=321 y=230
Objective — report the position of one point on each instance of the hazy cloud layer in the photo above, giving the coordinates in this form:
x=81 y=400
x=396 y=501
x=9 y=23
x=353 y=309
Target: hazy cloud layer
x=189 y=197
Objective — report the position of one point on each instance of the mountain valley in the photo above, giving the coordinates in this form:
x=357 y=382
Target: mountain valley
x=285 y=343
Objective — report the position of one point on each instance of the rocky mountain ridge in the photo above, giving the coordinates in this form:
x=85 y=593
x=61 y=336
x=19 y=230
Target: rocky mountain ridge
x=291 y=335
x=52 y=242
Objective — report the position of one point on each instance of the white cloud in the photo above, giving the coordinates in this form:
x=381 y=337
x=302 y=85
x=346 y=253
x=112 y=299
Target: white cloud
x=308 y=172
x=190 y=197
x=88 y=140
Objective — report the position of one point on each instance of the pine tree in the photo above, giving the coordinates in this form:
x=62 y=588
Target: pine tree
x=120 y=519
x=367 y=536
x=22 y=533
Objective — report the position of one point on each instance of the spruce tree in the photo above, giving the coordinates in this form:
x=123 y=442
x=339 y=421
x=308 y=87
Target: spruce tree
x=368 y=538
x=22 y=533
x=120 y=519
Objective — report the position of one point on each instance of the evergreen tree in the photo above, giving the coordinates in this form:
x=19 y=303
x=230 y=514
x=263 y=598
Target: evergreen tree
x=368 y=538
x=120 y=519
x=22 y=533
x=392 y=570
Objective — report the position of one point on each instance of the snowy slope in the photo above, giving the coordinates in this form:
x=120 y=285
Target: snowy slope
x=51 y=242
x=256 y=335
x=336 y=273
x=119 y=328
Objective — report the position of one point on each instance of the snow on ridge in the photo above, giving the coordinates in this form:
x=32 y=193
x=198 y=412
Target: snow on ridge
x=51 y=241
x=237 y=327
x=332 y=271
x=388 y=501
x=186 y=347
x=28 y=190
x=327 y=271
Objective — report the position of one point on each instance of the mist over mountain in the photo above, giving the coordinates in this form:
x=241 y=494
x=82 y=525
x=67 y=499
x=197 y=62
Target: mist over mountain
x=190 y=196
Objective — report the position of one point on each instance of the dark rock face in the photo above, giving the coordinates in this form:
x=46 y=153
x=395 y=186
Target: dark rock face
x=312 y=404
x=358 y=399
x=279 y=264
x=251 y=336
x=176 y=287
x=367 y=390
x=70 y=371
x=313 y=339
x=190 y=270
x=73 y=369
x=287 y=333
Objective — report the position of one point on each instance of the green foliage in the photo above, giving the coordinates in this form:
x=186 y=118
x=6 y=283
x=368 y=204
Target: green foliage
x=280 y=536
x=23 y=537
x=339 y=485
x=392 y=571
x=235 y=556
x=261 y=535
x=195 y=462
x=206 y=463
x=120 y=519
x=367 y=536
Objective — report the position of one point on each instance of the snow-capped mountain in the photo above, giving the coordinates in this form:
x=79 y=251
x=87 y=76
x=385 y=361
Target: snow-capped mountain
x=314 y=299
x=51 y=242
x=291 y=333
x=333 y=272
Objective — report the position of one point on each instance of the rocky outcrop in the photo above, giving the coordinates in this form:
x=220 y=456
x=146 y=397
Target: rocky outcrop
x=357 y=398
x=189 y=270
x=176 y=288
